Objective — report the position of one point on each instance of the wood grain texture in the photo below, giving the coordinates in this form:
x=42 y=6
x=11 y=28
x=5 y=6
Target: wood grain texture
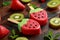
x=5 y=12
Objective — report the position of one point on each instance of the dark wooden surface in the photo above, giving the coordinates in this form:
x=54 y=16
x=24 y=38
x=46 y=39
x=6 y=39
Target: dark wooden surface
x=5 y=12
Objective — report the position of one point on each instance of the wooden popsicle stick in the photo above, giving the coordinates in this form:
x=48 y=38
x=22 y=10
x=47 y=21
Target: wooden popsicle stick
x=30 y=6
x=14 y=21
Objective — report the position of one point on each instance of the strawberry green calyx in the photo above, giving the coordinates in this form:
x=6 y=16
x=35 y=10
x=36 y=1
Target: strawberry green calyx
x=36 y=10
x=20 y=24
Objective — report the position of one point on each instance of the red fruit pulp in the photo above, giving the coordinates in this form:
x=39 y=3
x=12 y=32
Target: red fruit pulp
x=17 y=5
x=3 y=31
x=40 y=17
x=31 y=28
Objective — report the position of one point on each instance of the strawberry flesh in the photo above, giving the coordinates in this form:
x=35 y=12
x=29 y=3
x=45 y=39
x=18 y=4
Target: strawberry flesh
x=17 y=5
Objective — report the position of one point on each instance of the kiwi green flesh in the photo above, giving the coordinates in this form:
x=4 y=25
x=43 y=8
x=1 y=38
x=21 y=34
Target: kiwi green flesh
x=21 y=38
x=52 y=4
x=25 y=0
x=55 y=0
x=54 y=27
x=55 y=21
x=35 y=10
x=20 y=24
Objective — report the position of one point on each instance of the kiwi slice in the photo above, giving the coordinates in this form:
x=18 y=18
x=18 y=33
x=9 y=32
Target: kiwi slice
x=56 y=0
x=21 y=38
x=26 y=1
x=17 y=16
x=53 y=4
x=55 y=23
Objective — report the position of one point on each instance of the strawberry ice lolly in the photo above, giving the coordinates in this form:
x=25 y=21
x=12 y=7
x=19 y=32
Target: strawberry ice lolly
x=38 y=14
x=17 y=5
x=28 y=26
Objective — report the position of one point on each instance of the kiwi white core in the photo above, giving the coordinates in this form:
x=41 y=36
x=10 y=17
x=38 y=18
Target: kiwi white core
x=16 y=17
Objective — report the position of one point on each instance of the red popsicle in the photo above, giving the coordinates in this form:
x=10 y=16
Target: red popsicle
x=38 y=14
x=32 y=27
x=28 y=26
x=3 y=31
x=17 y=5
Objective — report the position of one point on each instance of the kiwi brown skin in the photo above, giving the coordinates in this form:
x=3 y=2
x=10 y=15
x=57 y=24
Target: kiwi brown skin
x=54 y=27
x=52 y=8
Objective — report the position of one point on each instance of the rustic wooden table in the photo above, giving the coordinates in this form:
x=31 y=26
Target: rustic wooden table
x=5 y=12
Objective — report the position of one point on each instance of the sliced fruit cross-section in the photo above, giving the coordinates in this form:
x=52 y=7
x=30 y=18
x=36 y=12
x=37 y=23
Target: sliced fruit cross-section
x=55 y=23
x=17 y=16
x=21 y=38
x=53 y=4
x=25 y=1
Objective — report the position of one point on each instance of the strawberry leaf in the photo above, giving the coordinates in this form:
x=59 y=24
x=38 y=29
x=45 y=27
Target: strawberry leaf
x=13 y=37
x=13 y=34
x=50 y=33
x=50 y=36
x=56 y=36
x=6 y=3
x=34 y=6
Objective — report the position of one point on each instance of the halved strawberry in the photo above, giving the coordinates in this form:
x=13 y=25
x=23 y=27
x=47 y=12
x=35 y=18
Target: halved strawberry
x=17 y=5
x=29 y=27
x=39 y=15
x=3 y=31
